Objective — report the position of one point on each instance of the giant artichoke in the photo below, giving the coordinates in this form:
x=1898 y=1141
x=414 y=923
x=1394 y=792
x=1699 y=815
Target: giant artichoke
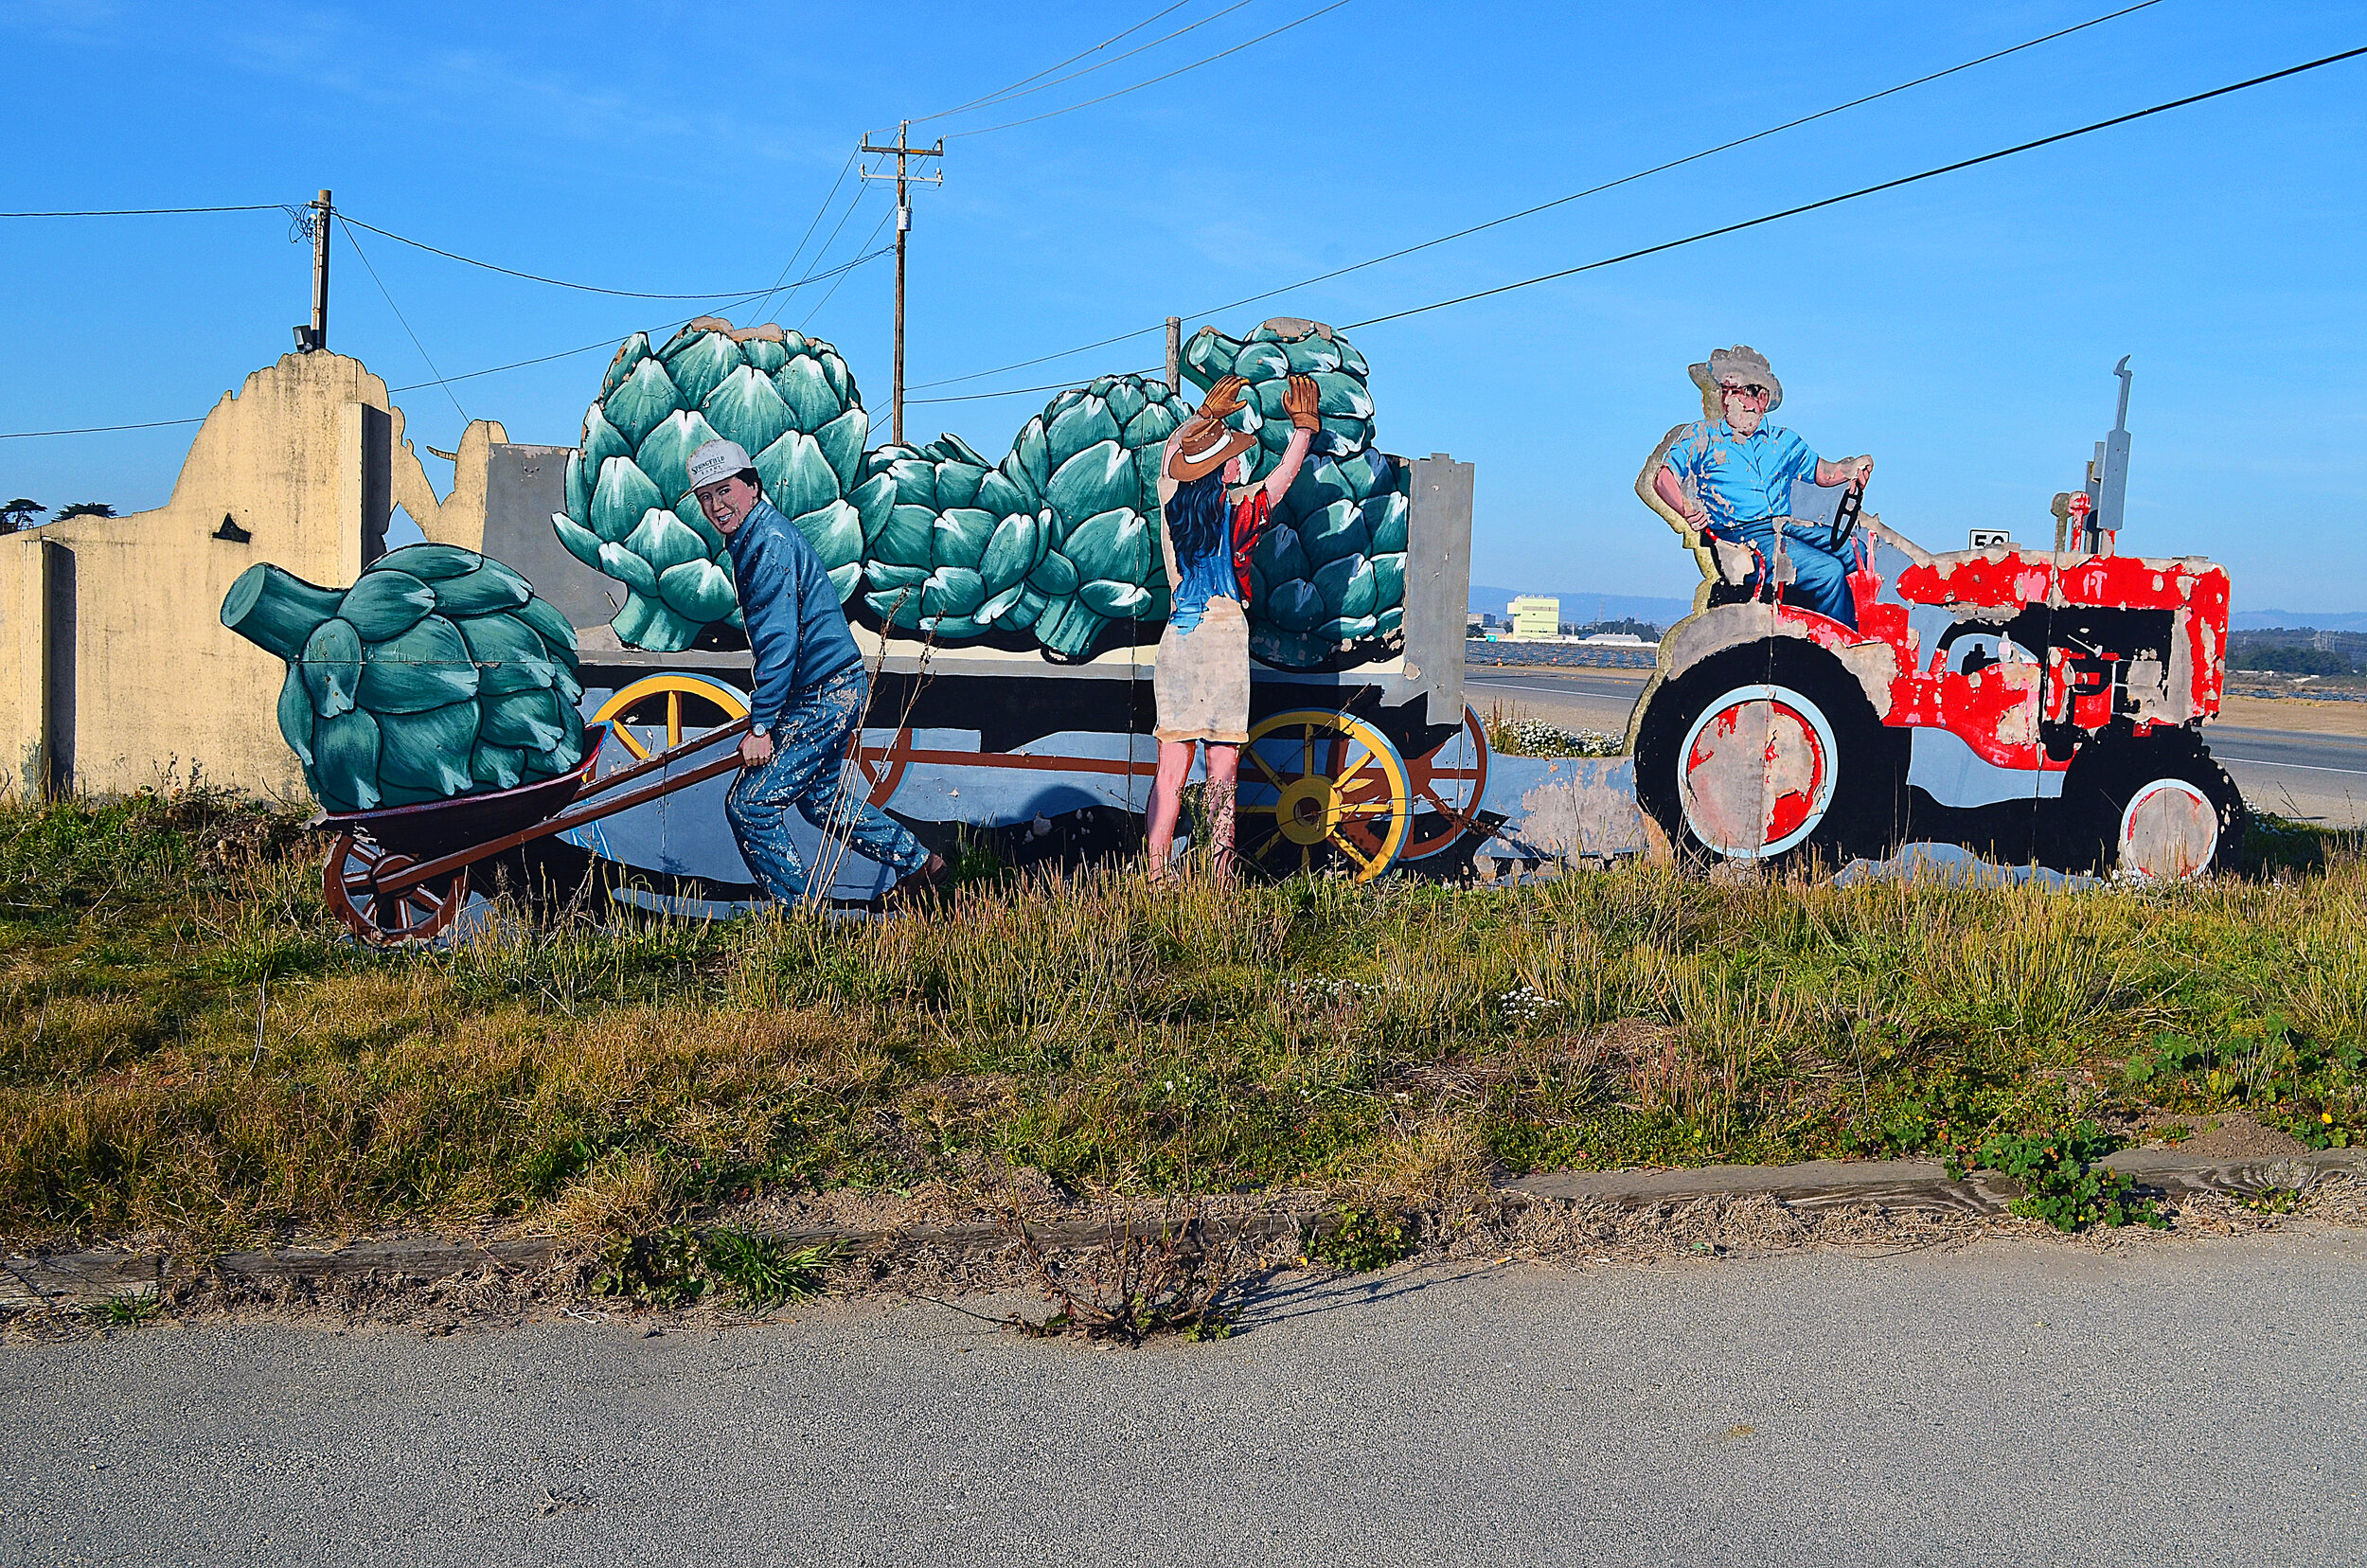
x=789 y=400
x=1057 y=539
x=1054 y=542
x=439 y=674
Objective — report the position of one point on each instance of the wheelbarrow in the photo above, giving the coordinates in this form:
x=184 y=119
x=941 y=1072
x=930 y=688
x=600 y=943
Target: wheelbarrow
x=400 y=875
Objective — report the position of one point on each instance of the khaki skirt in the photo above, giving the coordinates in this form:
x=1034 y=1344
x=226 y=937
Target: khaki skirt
x=1201 y=679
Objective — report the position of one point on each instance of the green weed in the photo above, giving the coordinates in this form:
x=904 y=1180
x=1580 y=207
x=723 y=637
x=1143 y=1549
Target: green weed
x=1360 y=1240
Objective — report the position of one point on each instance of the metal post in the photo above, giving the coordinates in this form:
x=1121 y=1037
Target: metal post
x=1175 y=353
x=903 y=151
x=321 y=217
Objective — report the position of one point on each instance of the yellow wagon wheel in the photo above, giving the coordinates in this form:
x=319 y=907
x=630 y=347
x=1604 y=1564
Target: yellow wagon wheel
x=1323 y=790
x=653 y=714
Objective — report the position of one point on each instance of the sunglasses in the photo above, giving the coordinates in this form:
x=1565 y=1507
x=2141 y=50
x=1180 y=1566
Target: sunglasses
x=1754 y=390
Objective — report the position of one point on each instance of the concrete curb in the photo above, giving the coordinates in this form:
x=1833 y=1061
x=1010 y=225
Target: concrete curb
x=79 y=1278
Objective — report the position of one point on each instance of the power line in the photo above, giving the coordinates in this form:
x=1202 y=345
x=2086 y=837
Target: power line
x=1072 y=60
x=537 y=277
x=94 y=430
x=862 y=190
x=1561 y=201
x=883 y=250
x=819 y=213
x=1869 y=191
x=1019 y=90
x=406 y=326
x=152 y=213
x=1015 y=391
x=610 y=341
x=1168 y=76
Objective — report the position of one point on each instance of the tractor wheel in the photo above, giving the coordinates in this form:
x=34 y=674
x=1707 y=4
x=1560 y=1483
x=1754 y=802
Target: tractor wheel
x=1770 y=755
x=2153 y=808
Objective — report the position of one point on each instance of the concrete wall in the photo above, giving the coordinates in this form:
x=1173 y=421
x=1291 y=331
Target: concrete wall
x=124 y=675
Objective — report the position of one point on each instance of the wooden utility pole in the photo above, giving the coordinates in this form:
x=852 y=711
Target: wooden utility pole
x=316 y=335
x=903 y=151
x=1175 y=353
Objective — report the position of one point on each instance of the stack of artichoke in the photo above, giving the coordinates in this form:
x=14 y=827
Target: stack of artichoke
x=1054 y=543
x=439 y=674
x=789 y=400
x=1330 y=570
x=1056 y=540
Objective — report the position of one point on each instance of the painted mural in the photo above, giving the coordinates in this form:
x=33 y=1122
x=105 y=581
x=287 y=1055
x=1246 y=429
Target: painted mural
x=1051 y=547
x=1841 y=688
x=439 y=674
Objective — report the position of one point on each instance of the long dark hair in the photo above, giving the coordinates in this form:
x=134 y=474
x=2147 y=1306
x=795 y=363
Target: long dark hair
x=1195 y=517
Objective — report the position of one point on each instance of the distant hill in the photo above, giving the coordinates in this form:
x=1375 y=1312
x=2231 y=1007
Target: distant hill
x=1582 y=607
x=2298 y=621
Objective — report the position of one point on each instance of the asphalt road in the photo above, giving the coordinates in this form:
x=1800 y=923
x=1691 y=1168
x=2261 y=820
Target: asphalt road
x=2162 y=1403
x=2310 y=776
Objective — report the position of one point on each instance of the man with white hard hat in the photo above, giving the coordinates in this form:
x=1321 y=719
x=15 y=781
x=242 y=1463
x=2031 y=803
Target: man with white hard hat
x=1732 y=479
x=810 y=691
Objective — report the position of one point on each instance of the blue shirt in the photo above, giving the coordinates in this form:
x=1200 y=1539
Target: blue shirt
x=1737 y=479
x=796 y=627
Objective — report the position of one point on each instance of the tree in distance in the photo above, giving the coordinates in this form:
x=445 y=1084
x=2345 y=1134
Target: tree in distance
x=84 y=508
x=20 y=513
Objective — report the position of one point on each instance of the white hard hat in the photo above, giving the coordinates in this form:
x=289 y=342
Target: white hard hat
x=718 y=460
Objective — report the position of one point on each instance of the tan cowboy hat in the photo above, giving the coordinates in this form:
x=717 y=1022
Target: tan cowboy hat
x=1742 y=364
x=1206 y=450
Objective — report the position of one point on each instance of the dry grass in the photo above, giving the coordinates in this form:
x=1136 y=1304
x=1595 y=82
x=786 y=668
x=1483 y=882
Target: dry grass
x=188 y=1048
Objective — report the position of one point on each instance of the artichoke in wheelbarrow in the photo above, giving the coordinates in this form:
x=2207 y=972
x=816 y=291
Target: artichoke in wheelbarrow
x=1056 y=540
x=1330 y=569
x=789 y=399
x=439 y=674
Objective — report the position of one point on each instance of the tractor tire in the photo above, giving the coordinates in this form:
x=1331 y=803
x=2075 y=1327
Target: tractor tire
x=1773 y=756
x=2153 y=808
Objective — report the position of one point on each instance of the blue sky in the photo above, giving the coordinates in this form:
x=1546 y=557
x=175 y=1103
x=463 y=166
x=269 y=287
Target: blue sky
x=1962 y=330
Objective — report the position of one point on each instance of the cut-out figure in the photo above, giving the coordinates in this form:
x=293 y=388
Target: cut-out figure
x=808 y=697
x=1209 y=522
x=1730 y=479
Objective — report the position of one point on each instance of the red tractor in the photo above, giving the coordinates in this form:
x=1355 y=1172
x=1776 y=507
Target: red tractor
x=2035 y=704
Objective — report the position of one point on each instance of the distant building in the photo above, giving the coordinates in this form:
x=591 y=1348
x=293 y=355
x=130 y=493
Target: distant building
x=1534 y=616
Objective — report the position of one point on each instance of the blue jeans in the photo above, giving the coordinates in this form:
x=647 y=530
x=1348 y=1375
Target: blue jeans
x=1821 y=581
x=810 y=746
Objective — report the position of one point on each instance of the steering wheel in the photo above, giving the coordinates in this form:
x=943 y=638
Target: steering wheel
x=1845 y=518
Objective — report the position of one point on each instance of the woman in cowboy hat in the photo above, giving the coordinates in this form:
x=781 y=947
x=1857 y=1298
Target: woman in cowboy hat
x=1731 y=478
x=1209 y=520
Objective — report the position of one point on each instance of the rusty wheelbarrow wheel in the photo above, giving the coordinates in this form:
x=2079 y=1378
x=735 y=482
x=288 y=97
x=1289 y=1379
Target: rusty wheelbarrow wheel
x=353 y=881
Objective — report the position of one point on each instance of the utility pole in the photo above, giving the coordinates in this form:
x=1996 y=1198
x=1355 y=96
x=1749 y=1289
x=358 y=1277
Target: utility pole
x=903 y=151
x=1175 y=353
x=316 y=335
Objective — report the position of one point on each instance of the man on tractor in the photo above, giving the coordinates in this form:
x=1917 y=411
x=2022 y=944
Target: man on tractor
x=1730 y=479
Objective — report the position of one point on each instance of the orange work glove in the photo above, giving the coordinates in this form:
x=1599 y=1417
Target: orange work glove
x=1299 y=398
x=1223 y=399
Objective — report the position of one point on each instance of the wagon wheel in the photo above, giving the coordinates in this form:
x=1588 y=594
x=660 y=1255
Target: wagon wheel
x=1450 y=781
x=1323 y=790
x=350 y=884
x=652 y=714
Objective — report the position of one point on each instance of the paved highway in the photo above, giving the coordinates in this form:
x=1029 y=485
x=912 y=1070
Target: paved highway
x=2306 y=775
x=2158 y=1402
